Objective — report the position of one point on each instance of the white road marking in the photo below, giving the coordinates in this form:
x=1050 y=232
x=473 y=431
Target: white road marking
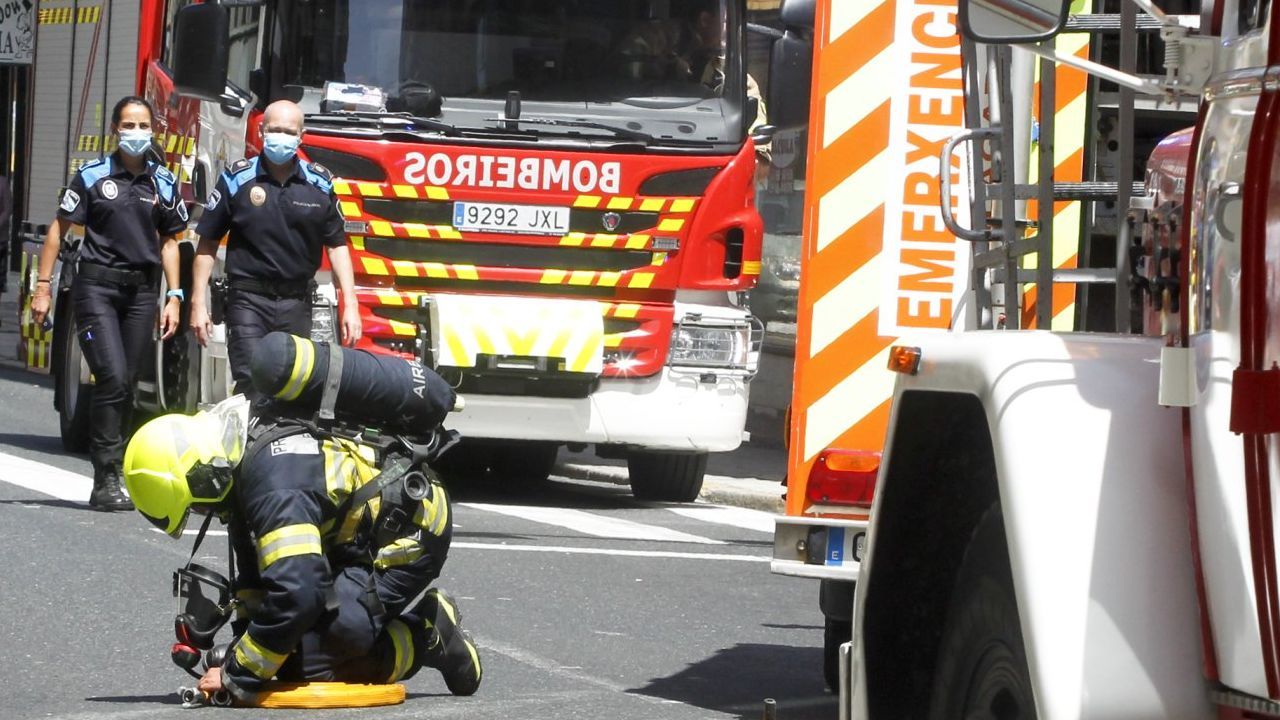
x=744 y=518
x=591 y=524
x=45 y=479
x=211 y=533
x=608 y=551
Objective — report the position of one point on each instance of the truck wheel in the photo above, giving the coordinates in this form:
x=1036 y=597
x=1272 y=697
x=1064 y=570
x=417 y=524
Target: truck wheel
x=834 y=634
x=982 y=661
x=674 y=477
x=523 y=462
x=73 y=410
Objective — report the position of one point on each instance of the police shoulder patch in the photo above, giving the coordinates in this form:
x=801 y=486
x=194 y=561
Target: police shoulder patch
x=163 y=173
x=70 y=200
x=239 y=166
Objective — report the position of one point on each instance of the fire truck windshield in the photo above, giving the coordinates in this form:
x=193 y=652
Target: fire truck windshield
x=633 y=59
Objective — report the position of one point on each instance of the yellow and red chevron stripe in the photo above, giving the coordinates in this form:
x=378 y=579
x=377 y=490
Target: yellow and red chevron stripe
x=355 y=188
x=863 y=135
x=644 y=326
x=354 y=211
x=376 y=266
x=1070 y=121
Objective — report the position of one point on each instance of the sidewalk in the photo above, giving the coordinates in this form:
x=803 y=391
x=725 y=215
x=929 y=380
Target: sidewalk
x=748 y=477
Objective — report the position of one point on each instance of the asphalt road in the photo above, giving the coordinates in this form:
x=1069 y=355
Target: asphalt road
x=586 y=603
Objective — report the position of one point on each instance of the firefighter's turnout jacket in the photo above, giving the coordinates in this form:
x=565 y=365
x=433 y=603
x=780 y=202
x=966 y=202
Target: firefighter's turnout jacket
x=324 y=603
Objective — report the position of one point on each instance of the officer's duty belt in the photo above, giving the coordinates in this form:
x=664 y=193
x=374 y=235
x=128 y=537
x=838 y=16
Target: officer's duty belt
x=117 y=276
x=288 y=289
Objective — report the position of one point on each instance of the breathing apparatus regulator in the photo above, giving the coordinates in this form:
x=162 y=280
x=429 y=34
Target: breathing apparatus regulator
x=205 y=605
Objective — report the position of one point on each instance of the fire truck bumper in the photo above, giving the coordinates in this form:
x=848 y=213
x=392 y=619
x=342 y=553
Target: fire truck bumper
x=669 y=411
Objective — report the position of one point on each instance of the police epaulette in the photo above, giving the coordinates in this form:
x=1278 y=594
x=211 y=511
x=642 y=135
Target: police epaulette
x=163 y=173
x=321 y=170
x=239 y=166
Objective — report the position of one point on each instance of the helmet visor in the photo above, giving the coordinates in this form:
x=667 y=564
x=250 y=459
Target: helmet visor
x=209 y=482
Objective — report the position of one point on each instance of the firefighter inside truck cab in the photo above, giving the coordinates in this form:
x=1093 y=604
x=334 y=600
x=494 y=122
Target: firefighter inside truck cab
x=685 y=41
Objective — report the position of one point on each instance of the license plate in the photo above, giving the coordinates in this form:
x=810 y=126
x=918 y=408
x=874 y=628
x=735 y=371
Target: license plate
x=503 y=218
x=844 y=546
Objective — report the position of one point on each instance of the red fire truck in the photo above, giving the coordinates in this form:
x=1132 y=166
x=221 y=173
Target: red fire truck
x=553 y=203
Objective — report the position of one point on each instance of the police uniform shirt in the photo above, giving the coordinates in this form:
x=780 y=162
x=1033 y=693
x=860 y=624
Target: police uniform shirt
x=124 y=215
x=276 y=230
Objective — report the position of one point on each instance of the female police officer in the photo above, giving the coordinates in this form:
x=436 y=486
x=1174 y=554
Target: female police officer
x=130 y=209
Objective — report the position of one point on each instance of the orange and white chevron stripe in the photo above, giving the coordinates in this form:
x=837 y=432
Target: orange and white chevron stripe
x=876 y=260
x=1070 y=122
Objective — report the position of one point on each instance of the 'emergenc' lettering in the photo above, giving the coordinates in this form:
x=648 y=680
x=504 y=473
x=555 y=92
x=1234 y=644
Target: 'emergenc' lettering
x=508 y=173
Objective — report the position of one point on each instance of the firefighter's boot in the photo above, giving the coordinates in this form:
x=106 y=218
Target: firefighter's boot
x=449 y=648
x=108 y=495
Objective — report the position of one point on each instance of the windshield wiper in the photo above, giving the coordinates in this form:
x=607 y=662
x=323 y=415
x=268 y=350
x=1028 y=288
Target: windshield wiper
x=619 y=132
x=383 y=120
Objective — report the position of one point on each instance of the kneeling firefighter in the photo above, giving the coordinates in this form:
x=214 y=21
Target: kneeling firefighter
x=336 y=527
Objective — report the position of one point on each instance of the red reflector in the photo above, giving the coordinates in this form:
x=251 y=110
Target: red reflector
x=905 y=360
x=843 y=477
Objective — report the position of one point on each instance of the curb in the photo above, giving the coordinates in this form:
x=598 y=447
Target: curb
x=716 y=489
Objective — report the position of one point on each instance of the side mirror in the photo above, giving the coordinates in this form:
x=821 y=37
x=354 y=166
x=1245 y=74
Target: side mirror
x=763 y=134
x=234 y=101
x=201 y=48
x=799 y=14
x=1012 y=21
x=791 y=65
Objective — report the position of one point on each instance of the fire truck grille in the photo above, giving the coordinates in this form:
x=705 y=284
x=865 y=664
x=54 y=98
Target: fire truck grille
x=508 y=256
x=439 y=212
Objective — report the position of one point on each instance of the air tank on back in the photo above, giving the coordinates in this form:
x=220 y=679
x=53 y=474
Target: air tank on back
x=389 y=393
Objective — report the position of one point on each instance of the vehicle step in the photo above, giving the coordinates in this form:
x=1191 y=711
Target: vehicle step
x=1105 y=23
x=1088 y=190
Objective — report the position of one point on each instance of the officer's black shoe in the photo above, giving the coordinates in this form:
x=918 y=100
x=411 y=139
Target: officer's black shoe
x=108 y=494
x=449 y=648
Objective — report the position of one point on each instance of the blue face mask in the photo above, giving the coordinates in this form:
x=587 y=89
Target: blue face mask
x=280 y=147
x=135 y=142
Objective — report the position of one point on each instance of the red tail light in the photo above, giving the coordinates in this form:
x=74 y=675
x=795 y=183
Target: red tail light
x=843 y=477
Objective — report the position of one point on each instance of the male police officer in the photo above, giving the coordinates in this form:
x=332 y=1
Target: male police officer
x=280 y=211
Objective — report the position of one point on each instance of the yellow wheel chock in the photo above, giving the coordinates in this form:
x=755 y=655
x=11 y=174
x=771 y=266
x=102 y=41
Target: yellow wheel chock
x=329 y=695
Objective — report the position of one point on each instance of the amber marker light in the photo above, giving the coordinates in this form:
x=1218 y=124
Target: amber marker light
x=905 y=360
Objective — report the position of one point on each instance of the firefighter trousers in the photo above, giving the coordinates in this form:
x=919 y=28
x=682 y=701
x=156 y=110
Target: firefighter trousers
x=357 y=646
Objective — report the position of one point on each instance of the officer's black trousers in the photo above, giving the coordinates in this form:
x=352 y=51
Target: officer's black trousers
x=249 y=318
x=115 y=325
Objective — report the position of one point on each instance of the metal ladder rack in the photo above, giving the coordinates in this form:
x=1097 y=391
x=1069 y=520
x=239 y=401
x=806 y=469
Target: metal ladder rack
x=1000 y=243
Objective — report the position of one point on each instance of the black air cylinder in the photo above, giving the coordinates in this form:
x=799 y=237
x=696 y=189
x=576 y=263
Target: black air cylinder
x=381 y=391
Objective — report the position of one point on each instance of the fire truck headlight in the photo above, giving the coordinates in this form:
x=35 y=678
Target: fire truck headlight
x=731 y=347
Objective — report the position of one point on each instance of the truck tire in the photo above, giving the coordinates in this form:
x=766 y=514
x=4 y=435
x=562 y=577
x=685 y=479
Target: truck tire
x=73 y=408
x=834 y=634
x=982 y=662
x=672 y=477
x=523 y=462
